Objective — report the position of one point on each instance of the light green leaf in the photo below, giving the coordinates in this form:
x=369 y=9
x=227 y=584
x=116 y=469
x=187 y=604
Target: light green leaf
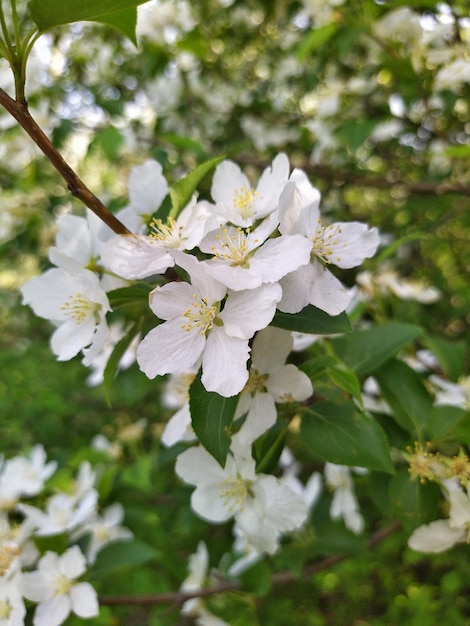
x=345 y=379
x=112 y=365
x=211 y=417
x=451 y=355
x=445 y=423
x=342 y=434
x=315 y=40
x=182 y=191
x=414 y=502
x=408 y=398
x=120 y=554
x=109 y=141
x=317 y=367
x=365 y=351
x=121 y=14
x=312 y=320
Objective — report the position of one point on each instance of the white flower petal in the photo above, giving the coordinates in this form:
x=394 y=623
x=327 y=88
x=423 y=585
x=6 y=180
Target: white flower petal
x=135 y=257
x=435 y=537
x=168 y=349
x=196 y=467
x=250 y=310
x=288 y=383
x=84 y=600
x=53 y=611
x=271 y=347
x=224 y=363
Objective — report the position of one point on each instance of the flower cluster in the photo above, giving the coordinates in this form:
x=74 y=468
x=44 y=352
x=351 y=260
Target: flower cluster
x=238 y=259
x=220 y=270
x=50 y=579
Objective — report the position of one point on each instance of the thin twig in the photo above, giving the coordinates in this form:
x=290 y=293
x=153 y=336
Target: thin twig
x=19 y=110
x=331 y=174
x=178 y=598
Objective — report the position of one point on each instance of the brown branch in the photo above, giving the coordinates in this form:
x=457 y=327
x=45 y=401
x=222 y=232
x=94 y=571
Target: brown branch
x=178 y=598
x=19 y=110
x=376 y=182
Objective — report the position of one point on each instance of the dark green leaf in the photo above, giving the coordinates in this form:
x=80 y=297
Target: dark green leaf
x=367 y=350
x=342 y=434
x=211 y=417
x=257 y=579
x=415 y=503
x=122 y=554
x=312 y=320
x=408 y=398
x=129 y=296
x=317 y=367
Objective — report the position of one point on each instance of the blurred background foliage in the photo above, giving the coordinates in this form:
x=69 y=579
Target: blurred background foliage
x=357 y=94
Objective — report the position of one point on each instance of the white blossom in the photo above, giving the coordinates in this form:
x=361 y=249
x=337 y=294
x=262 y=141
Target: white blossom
x=270 y=380
x=196 y=327
x=342 y=244
x=261 y=505
x=344 y=504
x=54 y=588
x=75 y=303
x=241 y=204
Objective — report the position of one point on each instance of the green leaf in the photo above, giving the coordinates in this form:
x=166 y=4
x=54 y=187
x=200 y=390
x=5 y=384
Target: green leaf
x=408 y=398
x=445 y=422
x=211 y=417
x=367 y=350
x=112 y=365
x=182 y=191
x=257 y=578
x=312 y=320
x=317 y=367
x=355 y=132
x=315 y=40
x=126 y=297
x=342 y=434
x=120 y=14
x=415 y=503
x=451 y=356
x=120 y=554
x=345 y=379
x=139 y=474
x=109 y=141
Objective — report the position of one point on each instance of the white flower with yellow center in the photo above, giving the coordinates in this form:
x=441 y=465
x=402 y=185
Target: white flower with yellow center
x=12 y=608
x=261 y=505
x=53 y=586
x=246 y=259
x=196 y=327
x=75 y=303
x=271 y=380
x=344 y=244
x=236 y=199
x=138 y=256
